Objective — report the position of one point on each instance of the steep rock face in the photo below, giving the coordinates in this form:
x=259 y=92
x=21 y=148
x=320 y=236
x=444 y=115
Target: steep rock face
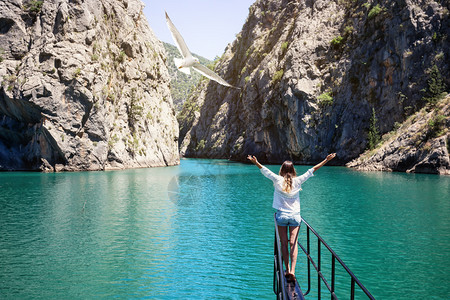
x=84 y=87
x=312 y=71
x=188 y=118
x=421 y=145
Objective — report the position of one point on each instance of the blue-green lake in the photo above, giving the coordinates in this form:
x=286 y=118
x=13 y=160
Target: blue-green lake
x=204 y=230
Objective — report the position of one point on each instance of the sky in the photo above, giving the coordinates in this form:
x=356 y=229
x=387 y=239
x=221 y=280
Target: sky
x=207 y=26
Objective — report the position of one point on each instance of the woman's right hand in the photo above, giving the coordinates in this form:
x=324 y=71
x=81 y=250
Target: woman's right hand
x=330 y=156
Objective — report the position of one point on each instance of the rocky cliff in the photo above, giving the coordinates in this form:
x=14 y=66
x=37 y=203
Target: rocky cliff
x=421 y=144
x=84 y=86
x=311 y=75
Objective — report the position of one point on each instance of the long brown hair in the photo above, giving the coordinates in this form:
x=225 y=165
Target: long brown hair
x=287 y=170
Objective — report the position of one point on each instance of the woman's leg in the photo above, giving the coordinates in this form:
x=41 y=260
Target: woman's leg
x=282 y=230
x=293 y=238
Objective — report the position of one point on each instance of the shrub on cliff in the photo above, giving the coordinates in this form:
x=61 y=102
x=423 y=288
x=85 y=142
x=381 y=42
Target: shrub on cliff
x=200 y=145
x=336 y=42
x=277 y=76
x=436 y=126
x=33 y=6
x=374 y=11
x=325 y=99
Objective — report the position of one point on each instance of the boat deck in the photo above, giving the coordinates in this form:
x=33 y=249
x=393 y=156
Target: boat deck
x=293 y=291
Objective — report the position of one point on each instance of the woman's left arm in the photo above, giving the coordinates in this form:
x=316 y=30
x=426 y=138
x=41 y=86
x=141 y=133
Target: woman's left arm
x=266 y=172
x=254 y=160
x=327 y=159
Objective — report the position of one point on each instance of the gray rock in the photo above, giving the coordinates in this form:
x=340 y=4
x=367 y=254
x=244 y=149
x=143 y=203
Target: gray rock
x=310 y=74
x=414 y=147
x=84 y=86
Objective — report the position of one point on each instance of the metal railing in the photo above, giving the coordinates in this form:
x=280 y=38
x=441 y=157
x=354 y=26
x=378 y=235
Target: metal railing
x=278 y=274
x=321 y=277
x=279 y=280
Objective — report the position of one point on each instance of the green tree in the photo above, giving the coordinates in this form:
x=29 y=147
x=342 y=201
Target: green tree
x=284 y=47
x=373 y=137
x=436 y=86
x=436 y=126
x=135 y=110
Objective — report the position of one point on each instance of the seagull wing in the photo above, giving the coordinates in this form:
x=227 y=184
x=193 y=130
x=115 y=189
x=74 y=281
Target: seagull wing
x=179 y=41
x=210 y=74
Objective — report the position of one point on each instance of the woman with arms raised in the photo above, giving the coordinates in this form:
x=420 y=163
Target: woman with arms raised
x=287 y=203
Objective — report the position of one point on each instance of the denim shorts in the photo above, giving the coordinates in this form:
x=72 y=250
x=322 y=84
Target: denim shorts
x=287 y=219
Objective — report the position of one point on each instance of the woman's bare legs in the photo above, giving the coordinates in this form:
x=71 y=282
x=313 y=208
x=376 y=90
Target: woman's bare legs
x=292 y=250
x=293 y=238
x=282 y=230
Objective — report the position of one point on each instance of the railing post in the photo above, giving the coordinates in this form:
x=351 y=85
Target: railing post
x=309 y=263
x=278 y=267
x=275 y=266
x=318 y=269
x=333 y=264
x=352 y=287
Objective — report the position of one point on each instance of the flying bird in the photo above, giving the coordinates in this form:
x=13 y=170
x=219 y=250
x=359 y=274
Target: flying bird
x=188 y=60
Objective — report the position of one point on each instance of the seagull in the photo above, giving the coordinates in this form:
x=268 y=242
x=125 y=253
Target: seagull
x=184 y=64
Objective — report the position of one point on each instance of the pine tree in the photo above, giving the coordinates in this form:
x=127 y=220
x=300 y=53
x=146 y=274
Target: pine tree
x=436 y=86
x=373 y=137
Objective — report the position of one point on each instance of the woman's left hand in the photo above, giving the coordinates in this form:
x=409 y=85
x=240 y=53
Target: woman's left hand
x=252 y=159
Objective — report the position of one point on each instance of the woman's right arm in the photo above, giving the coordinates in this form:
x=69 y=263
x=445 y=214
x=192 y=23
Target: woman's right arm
x=327 y=159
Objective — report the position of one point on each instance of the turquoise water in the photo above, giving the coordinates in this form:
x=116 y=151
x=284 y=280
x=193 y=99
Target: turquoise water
x=204 y=230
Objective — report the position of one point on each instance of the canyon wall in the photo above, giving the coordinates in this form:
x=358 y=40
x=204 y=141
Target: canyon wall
x=84 y=86
x=312 y=73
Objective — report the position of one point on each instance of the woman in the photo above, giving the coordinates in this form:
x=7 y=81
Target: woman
x=287 y=203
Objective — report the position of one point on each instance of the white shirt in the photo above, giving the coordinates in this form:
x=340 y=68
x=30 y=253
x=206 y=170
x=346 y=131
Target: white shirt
x=287 y=202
